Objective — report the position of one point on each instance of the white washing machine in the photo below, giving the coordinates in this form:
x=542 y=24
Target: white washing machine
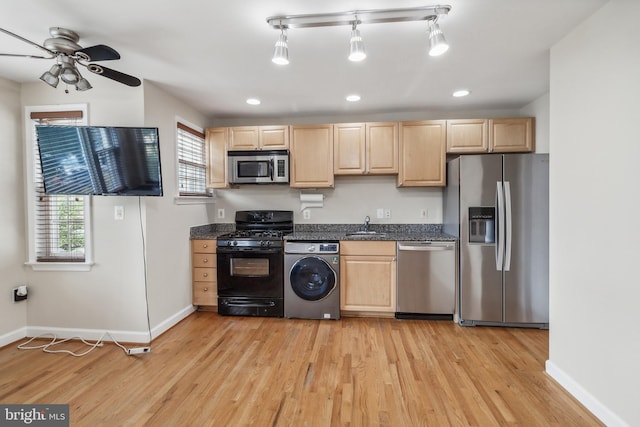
x=312 y=280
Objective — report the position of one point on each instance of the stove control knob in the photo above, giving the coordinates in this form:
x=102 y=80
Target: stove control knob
x=228 y=242
x=235 y=243
x=311 y=248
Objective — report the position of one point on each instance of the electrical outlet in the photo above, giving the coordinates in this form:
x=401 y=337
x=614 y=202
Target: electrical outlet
x=306 y=214
x=221 y=213
x=387 y=213
x=118 y=213
x=380 y=213
x=424 y=214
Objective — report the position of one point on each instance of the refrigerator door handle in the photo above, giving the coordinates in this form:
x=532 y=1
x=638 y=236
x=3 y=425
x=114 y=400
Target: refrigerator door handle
x=508 y=226
x=500 y=228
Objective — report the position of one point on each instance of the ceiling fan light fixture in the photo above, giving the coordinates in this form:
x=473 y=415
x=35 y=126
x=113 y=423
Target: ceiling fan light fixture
x=69 y=74
x=52 y=77
x=83 y=84
x=356 y=45
x=281 y=50
x=437 y=43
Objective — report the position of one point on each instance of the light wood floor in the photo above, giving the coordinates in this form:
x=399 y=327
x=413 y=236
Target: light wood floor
x=235 y=371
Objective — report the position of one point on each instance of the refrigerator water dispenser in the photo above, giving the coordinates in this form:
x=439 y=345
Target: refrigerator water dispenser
x=482 y=224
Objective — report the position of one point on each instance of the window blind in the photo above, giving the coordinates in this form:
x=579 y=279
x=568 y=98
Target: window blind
x=192 y=168
x=60 y=226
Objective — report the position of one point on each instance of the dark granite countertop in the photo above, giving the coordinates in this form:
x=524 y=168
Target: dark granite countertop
x=329 y=232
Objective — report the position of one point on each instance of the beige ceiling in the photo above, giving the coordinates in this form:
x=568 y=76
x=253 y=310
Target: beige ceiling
x=215 y=54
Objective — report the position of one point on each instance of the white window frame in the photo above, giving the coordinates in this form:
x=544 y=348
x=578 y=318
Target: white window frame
x=184 y=199
x=31 y=197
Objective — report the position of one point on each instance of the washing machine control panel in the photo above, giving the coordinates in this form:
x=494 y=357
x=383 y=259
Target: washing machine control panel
x=312 y=247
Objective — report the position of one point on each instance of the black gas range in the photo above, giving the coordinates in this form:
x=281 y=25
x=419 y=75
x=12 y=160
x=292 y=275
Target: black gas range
x=250 y=264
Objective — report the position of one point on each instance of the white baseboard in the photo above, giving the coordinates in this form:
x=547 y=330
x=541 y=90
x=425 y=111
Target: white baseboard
x=13 y=336
x=168 y=323
x=596 y=407
x=95 y=334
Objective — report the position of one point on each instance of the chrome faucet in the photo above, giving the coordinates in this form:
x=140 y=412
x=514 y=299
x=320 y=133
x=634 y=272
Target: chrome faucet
x=365 y=227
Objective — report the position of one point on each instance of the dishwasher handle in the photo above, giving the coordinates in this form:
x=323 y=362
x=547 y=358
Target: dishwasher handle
x=425 y=246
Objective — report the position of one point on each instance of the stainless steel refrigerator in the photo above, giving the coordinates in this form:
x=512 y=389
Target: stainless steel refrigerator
x=498 y=207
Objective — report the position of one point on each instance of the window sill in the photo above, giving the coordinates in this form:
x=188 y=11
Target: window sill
x=60 y=266
x=193 y=200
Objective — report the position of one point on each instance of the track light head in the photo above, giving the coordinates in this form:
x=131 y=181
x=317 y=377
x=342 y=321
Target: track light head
x=356 y=45
x=281 y=50
x=437 y=43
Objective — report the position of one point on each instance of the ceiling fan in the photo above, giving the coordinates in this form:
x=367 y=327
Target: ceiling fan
x=64 y=48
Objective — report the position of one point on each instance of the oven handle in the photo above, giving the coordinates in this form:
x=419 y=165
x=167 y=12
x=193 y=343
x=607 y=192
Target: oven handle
x=249 y=304
x=236 y=250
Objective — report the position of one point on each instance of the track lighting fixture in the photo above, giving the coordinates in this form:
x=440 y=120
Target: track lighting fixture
x=356 y=45
x=437 y=43
x=281 y=50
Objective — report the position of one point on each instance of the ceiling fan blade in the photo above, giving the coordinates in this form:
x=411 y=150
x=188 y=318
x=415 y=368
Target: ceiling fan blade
x=17 y=55
x=114 y=75
x=53 y=54
x=98 y=52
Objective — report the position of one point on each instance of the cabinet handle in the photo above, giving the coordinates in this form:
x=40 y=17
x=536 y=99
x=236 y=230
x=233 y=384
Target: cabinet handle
x=205 y=245
x=205 y=260
x=205 y=274
x=206 y=289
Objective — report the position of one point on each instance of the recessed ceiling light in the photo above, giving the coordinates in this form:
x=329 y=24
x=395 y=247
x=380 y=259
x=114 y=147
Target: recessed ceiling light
x=253 y=101
x=353 y=98
x=460 y=93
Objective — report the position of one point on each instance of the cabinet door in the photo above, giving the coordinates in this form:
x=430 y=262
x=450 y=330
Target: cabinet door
x=243 y=138
x=367 y=283
x=422 y=154
x=216 y=157
x=311 y=156
x=382 y=148
x=467 y=136
x=368 y=277
x=274 y=137
x=511 y=135
x=349 y=149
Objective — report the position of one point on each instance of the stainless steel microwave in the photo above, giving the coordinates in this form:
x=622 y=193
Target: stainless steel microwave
x=258 y=167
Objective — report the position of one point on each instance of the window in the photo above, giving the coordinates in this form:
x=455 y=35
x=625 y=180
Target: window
x=58 y=224
x=192 y=165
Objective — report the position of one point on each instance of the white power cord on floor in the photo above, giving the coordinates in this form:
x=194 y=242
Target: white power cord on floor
x=99 y=343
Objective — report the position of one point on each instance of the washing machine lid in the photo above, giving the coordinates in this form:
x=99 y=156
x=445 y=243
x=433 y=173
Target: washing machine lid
x=312 y=278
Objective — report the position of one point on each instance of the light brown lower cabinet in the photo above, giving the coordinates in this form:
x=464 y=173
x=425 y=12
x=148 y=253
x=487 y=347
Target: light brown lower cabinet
x=368 y=278
x=204 y=273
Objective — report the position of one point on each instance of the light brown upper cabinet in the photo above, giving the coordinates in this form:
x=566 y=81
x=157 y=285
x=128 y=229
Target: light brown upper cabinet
x=422 y=154
x=490 y=135
x=467 y=136
x=365 y=148
x=259 y=138
x=311 y=156
x=511 y=135
x=216 y=139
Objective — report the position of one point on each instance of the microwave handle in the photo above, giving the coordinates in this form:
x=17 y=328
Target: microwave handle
x=271 y=168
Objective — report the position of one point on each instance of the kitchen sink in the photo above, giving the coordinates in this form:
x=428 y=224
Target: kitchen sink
x=365 y=234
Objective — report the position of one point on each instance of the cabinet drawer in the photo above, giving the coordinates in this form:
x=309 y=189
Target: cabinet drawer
x=204 y=260
x=204 y=275
x=204 y=294
x=350 y=247
x=203 y=246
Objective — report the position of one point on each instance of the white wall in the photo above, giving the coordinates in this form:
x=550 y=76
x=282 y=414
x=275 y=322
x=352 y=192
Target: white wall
x=13 y=317
x=168 y=224
x=112 y=296
x=595 y=201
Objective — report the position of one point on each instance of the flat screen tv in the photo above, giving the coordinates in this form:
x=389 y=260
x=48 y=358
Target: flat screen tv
x=100 y=160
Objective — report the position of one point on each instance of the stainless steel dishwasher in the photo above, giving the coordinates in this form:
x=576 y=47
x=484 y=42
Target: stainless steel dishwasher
x=426 y=285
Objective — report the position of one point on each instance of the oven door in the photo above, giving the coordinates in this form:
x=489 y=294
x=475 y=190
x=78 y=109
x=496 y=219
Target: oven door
x=250 y=273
